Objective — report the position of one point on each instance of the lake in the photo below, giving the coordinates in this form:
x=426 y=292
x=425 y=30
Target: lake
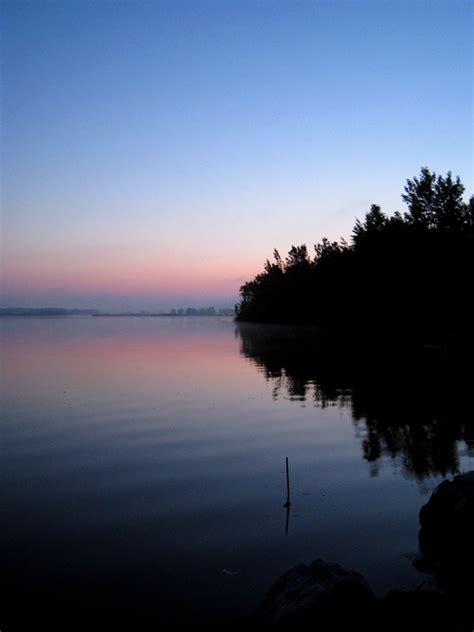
x=142 y=457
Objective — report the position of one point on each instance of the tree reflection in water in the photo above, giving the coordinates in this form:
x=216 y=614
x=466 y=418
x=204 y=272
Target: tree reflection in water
x=408 y=402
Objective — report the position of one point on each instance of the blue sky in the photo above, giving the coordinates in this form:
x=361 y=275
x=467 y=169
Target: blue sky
x=154 y=153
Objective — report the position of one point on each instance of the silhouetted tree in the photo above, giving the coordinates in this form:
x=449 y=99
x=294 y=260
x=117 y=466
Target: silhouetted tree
x=436 y=202
x=406 y=274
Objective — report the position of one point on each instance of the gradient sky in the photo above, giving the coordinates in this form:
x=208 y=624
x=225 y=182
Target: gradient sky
x=154 y=153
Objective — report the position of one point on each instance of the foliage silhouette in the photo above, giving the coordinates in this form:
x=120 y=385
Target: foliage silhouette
x=405 y=275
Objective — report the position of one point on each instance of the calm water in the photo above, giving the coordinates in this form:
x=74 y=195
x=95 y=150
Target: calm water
x=142 y=456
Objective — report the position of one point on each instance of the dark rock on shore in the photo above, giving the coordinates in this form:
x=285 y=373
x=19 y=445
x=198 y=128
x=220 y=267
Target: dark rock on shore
x=306 y=594
x=446 y=537
x=446 y=541
x=326 y=596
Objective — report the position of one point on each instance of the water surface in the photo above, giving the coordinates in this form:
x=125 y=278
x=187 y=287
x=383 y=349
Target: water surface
x=142 y=456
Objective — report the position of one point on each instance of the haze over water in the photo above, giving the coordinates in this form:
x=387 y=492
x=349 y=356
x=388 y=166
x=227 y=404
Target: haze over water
x=142 y=456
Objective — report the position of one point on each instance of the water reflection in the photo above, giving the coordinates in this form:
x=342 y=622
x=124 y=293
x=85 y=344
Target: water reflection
x=410 y=406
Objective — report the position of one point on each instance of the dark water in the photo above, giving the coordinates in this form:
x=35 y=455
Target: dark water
x=142 y=456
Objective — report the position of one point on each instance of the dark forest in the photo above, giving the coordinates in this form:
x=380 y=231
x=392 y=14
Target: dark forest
x=404 y=276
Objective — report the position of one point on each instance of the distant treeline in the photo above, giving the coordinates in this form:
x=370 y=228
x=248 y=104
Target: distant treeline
x=405 y=274
x=45 y=311
x=59 y=311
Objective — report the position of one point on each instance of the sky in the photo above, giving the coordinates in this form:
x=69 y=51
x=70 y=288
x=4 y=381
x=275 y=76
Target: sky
x=153 y=154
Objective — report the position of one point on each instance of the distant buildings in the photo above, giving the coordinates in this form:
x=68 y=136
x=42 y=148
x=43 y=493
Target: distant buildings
x=202 y=311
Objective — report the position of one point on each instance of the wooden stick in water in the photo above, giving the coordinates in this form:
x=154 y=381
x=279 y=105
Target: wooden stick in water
x=287 y=504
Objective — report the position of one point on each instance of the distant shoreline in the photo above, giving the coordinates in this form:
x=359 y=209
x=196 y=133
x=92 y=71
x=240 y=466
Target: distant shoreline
x=163 y=315
x=59 y=312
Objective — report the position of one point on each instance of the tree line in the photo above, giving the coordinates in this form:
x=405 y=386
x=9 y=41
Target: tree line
x=404 y=274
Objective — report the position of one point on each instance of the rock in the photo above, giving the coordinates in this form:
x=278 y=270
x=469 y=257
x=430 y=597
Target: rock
x=425 y=608
x=431 y=586
x=325 y=596
x=306 y=595
x=447 y=527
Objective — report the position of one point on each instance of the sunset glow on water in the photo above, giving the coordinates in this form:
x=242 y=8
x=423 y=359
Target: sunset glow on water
x=150 y=452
